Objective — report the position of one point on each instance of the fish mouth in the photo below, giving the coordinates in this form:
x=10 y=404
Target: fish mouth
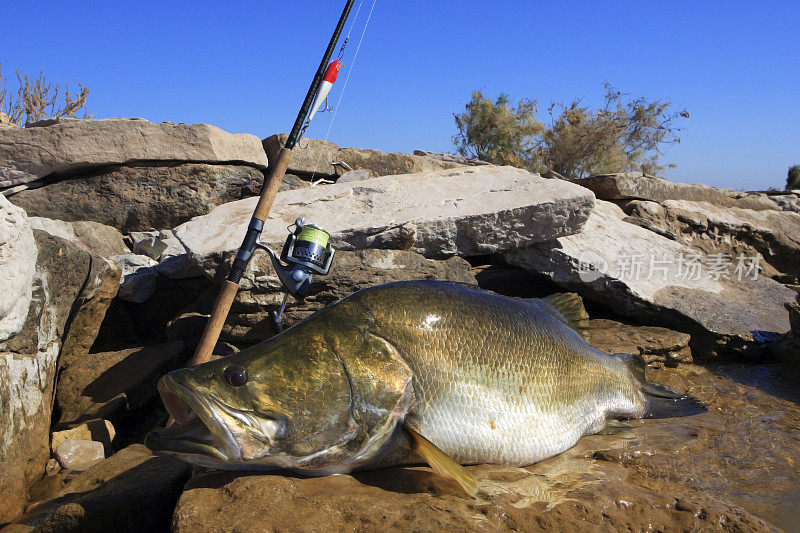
x=199 y=429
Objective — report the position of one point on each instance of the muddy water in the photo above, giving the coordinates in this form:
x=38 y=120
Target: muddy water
x=745 y=450
x=733 y=468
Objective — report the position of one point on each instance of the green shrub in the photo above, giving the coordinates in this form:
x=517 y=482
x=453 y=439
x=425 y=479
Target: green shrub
x=625 y=134
x=793 y=178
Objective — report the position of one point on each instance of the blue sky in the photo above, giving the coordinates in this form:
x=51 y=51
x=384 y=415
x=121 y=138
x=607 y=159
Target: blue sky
x=245 y=67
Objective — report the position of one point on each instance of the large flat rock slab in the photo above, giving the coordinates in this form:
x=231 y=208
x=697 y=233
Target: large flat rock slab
x=141 y=197
x=638 y=186
x=652 y=279
x=65 y=145
x=708 y=227
x=470 y=211
x=324 y=159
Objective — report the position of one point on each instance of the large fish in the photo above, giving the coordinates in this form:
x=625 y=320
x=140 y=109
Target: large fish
x=440 y=370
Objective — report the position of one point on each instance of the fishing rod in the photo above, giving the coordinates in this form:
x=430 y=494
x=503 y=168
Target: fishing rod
x=309 y=251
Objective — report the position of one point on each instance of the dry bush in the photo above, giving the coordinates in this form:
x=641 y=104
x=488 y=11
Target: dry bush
x=625 y=134
x=37 y=99
x=793 y=178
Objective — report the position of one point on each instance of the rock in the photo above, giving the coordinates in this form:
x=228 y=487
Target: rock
x=79 y=455
x=138 y=281
x=130 y=324
x=5 y=119
x=163 y=247
x=658 y=346
x=326 y=160
x=291 y=182
x=249 y=320
x=660 y=282
x=311 y=157
x=638 y=186
x=713 y=229
x=28 y=363
x=104 y=385
x=63 y=145
x=794 y=315
x=18 y=254
x=356 y=175
x=450 y=158
x=787 y=202
x=97 y=239
x=102 y=285
x=389 y=164
x=143 y=196
x=132 y=490
x=98 y=430
x=464 y=212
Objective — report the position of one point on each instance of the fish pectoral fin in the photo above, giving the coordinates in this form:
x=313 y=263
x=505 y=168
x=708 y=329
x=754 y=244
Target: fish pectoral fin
x=442 y=464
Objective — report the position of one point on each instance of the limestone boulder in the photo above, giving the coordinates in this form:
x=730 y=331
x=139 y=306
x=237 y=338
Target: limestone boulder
x=391 y=163
x=95 y=238
x=326 y=160
x=638 y=186
x=787 y=202
x=66 y=289
x=18 y=254
x=140 y=197
x=450 y=158
x=470 y=211
x=170 y=254
x=97 y=430
x=313 y=156
x=138 y=277
x=65 y=145
x=661 y=282
x=713 y=229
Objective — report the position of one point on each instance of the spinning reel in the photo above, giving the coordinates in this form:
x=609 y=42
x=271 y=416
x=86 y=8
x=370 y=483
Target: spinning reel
x=307 y=251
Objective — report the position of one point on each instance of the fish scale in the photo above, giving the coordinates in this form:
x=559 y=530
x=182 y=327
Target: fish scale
x=489 y=373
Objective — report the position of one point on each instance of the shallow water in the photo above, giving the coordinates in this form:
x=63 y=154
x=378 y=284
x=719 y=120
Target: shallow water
x=745 y=450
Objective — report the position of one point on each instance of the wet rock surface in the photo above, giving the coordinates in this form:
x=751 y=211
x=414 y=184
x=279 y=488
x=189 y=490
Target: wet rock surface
x=702 y=473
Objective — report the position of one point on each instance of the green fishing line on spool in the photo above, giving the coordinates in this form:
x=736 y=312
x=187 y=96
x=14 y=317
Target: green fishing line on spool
x=311 y=234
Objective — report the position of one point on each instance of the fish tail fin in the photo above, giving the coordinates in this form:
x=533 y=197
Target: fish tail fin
x=661 y=402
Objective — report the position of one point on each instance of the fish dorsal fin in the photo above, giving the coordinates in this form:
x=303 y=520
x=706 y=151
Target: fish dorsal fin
x=571 y=312
x=442 y=464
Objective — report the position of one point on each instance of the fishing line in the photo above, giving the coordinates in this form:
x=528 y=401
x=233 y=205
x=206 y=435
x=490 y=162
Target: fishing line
x=344 y=87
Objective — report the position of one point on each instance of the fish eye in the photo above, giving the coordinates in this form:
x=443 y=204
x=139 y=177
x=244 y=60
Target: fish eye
x=236 y=376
